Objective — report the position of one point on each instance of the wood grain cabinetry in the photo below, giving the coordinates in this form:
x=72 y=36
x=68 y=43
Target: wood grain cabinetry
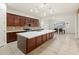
x=27 y=21
x=44 y=38
x=27 y=45
x=31 y=22
x=11 y=37
x=10 y=19
x=36 y=22
x=38 y=40
x=22 y=21
x=31 y=44
x=48 y=36
x=17 y=20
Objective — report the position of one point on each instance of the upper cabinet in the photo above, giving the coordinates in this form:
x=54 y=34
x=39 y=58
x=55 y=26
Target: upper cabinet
x=10 y=19
x=22 y=21
x=16 y=20
x=32 y=22
x=36 y=22
x=27 y=21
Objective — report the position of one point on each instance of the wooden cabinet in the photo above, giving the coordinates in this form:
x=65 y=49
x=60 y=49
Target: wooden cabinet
x=16 y=20
x=48 y=36
x=32 y=22
x=51 y=35
x=22 y=21
x=27 y=21
x=27 y=45
x=44 y=38
x=10 y=19
x=38 y=41
x=36 y=22
x=31 y=44
x=11 y=37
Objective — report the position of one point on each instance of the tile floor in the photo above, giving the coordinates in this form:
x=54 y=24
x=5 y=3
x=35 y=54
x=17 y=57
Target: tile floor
x=63 y=44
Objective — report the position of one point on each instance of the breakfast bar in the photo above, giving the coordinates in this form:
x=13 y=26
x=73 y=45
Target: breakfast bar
x=27 y=41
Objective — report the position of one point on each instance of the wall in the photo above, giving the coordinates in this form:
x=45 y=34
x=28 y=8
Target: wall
x=2 y=24
x=44 y=23
x=48 y=23
x=77 y=26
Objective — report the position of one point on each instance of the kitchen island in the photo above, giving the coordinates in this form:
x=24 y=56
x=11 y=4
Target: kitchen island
x=27 y=41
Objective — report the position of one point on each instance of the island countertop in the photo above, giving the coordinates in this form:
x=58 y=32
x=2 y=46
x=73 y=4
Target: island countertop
x=32 y=34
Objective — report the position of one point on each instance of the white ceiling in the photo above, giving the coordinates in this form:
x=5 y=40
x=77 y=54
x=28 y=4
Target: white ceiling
x=43 y=9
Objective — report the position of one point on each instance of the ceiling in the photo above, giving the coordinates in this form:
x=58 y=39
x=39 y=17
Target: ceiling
x=43 y=9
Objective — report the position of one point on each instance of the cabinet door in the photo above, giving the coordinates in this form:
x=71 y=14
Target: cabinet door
x=31 y=44
x=39 y=41
x=10 y=19
x=11 y=37
x=44 y=38
x=27 y=20
x=32 y=22
x=22 y=21
x=36 y=23
x=48 y=36
x=17 y=20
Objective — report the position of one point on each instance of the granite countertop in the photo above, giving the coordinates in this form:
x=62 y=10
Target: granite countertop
x=33 y=34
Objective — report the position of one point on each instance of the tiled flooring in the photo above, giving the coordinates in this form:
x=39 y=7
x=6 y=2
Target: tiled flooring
x=60 y=45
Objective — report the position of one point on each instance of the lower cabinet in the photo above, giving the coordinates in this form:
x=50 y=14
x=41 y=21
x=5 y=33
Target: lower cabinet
x=27 y=45
x=11 y=37
x=38 y=41
x=31 y=44
x=44 y=38
x=48 y=36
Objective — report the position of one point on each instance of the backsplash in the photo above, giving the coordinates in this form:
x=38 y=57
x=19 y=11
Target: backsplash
x=11 y=28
